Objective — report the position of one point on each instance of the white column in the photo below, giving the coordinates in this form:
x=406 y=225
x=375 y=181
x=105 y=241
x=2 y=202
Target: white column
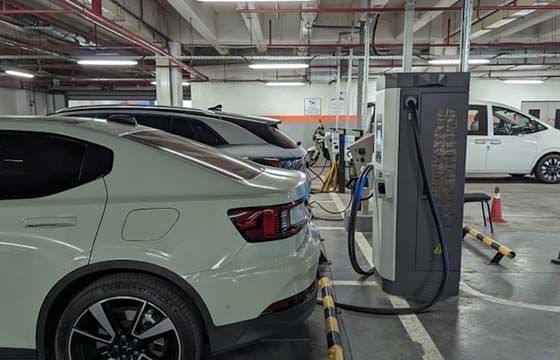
x=176 y=76
x=466 y=34
x=408 y=40
x=169 y=78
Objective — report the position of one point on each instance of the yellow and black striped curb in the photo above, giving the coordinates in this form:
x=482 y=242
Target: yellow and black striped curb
x=488 y=241
x=331 y=323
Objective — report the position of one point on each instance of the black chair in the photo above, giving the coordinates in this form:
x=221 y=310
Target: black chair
x=482 y=198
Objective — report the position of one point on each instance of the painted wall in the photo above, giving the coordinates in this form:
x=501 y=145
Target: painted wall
x=286 y=103
x=258 y=99
x=28 y=102
x=513 y=95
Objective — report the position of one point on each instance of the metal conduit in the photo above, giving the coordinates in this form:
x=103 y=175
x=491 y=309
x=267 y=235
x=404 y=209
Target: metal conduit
x=292 y=58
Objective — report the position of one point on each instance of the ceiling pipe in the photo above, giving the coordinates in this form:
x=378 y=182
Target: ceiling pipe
x=128 y=35
x=378 y=10
x=34 y=11
x=416 y=45
x=78 y=47
x=424 y=65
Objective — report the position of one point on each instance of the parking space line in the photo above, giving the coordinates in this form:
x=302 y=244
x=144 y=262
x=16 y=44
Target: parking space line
x=469 y=290
x=414 y=328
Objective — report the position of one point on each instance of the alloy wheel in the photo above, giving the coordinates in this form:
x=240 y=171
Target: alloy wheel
x=124 y=328
x=550 y=169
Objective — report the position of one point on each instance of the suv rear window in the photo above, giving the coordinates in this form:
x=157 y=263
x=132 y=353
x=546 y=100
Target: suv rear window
x=268 y=132
x=197 y=153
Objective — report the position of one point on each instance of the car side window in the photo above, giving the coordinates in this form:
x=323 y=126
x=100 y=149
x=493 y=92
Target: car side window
x=182 y=127
x=508 y=122
x=34 y=164
x=478 y=120
x=206 y=135
x=154 y=121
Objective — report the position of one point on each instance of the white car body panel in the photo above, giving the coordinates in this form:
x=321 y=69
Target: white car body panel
x=509 y=154
x=236 y=280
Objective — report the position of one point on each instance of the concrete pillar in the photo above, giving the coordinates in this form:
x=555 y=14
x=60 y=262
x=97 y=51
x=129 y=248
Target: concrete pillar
x=408 y=39
x=169 y=78
x=466 y=34
x=176 y=76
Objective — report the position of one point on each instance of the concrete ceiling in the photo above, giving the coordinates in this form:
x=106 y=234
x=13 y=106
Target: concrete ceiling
x=48 y=44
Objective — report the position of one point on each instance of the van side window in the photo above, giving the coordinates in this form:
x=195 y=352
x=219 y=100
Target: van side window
x=34 y=164
x=508 y=122
x=478 y=120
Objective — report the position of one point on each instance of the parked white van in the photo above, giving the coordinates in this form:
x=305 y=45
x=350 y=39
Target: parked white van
x=503 y=140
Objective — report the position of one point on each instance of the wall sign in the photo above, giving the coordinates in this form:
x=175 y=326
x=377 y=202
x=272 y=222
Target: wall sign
x=312 y=106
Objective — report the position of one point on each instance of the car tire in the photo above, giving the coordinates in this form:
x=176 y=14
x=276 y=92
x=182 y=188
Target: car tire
x=127 y=315
x=548 y=169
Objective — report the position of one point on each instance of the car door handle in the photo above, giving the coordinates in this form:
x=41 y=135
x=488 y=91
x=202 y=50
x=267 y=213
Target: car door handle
x=495 y=142
x=480 y=141
x=48 y=222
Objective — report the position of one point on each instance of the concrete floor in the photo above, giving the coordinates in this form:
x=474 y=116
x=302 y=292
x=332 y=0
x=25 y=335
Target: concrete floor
x=509 y=311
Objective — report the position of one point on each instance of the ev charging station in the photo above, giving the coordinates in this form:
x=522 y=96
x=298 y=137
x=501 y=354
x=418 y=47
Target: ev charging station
x=406 y=252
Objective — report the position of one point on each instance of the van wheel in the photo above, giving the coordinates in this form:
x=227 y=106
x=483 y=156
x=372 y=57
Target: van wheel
x=128 y=316
x=548 y=169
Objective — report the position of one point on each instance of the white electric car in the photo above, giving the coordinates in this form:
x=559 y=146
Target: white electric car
x=503 y=140
x=120 y=241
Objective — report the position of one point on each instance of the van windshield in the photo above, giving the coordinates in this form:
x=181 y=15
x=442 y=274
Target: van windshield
x=197 y=153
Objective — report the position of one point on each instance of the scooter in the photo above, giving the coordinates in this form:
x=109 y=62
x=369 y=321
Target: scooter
x=318 y=148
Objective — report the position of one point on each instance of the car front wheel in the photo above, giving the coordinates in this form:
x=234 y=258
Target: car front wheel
x=128 y=316
x=548 y=169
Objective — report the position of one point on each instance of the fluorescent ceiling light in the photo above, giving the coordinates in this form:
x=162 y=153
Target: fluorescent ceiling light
x=278 y=66
x=522 y=13
x=480 y=33
x=400 y=69
x=252 y=1
x=458 y=61
x=184 y=83
x=285 y=83
x=107 y=62
x=19 y=74
x=500 y=23
x=522 y=81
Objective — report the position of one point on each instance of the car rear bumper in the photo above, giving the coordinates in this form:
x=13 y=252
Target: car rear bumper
x=228 y=337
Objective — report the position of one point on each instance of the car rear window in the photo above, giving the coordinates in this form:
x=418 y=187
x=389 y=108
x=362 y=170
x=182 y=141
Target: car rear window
x=268 y=132
x=197 y=153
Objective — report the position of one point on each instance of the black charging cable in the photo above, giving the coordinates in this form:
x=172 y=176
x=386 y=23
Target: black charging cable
x=413 y=117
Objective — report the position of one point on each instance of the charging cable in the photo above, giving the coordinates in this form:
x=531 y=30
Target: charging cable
x=413 y=118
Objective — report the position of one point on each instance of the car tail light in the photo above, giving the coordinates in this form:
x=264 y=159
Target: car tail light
x=292 y=164
x=267 y=223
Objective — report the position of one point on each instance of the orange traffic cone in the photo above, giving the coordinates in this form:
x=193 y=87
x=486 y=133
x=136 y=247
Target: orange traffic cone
x=496 y=212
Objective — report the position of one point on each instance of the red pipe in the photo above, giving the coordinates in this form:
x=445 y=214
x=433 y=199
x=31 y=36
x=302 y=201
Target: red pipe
x=121 y=31
x=35 y=11
x=396 y=9
x=77 y=47
x=393 y=65
x=74 y=66
x=97 y=7
x=417 y=45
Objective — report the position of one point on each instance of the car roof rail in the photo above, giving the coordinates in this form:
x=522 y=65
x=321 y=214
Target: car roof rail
x=123 y=119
